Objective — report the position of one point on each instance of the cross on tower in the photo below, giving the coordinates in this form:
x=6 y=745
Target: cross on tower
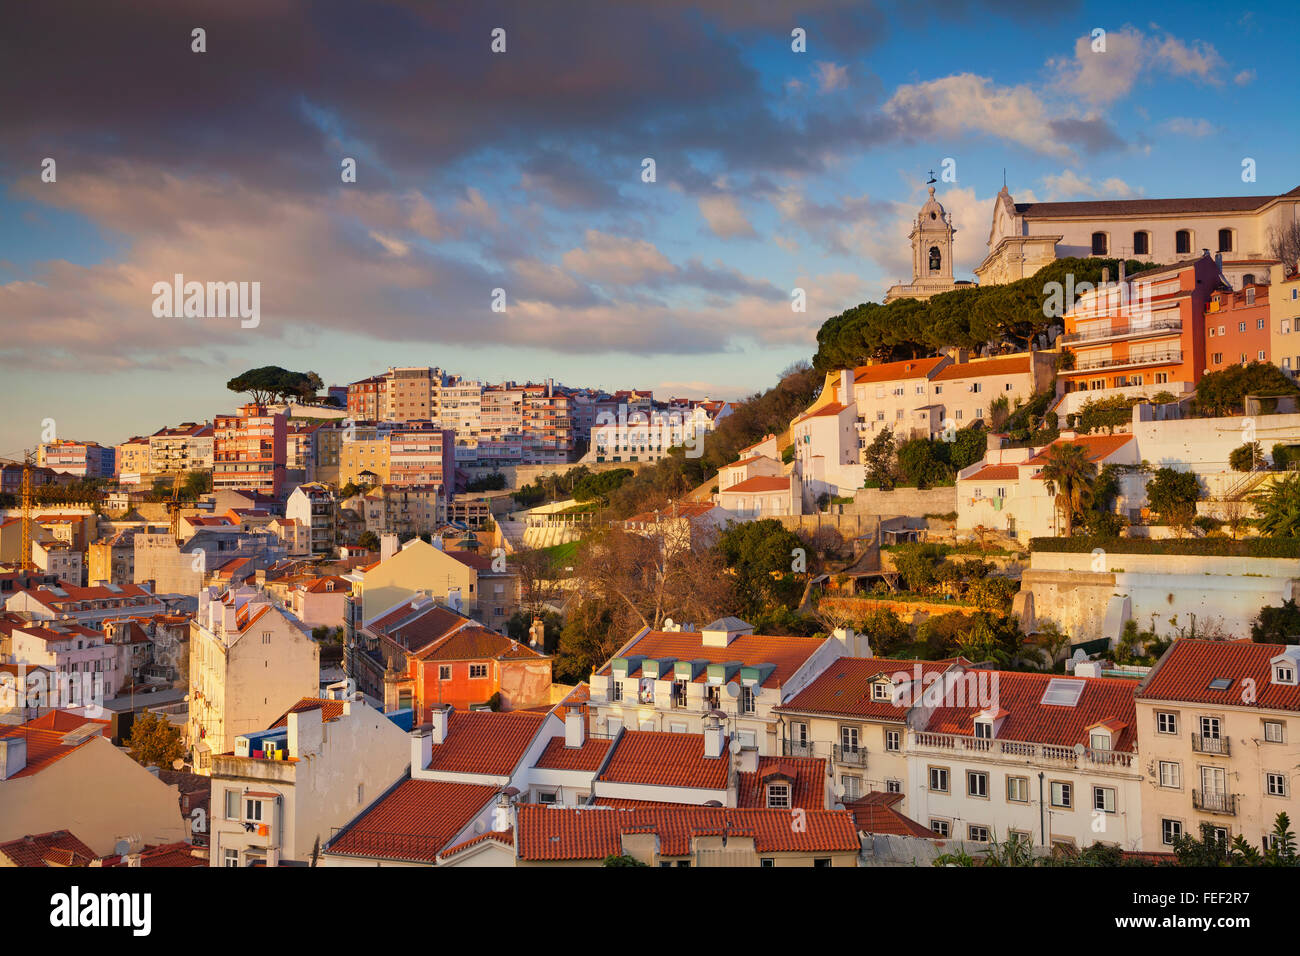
x=931 y=179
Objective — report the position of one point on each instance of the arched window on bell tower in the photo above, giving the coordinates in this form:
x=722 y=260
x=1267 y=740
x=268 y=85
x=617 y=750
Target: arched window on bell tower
x=936 y=259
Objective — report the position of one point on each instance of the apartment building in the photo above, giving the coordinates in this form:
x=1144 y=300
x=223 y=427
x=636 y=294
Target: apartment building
x=286 y=788
x=132 y=459
x=84 y=662
x=313 y=507
x=188 y=447
x=460 y=405
x=249 y=452
x=368 y=399
x=672 y=679
x=365 y=459
x=249 y=662
x=325 y=454
x=629 y=433
x=1284 y=319
x=405 y=511
x=90 y=606
x=1144 y=333
x=548 y=423
x=422 y=455
x=483 y=587
x=409 y=393
x=1053 y=760
x=84 y=459
x=111 y=559
x=181 y=567
x=1236 y=327
x=59 y=558
x=1218 y=727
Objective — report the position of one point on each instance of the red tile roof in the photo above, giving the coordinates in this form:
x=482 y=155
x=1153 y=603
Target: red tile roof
x=806 y=775
x=473 y=642
x=875 y=813
x=995 y=473
x=893 y=371
x=414 y=820
x=834 y=408
x=758 y=484
x=1097 y=447
x=586 y=758
x=1185 y=672
x=165 y=855
x=1001 y=365
x=548 y=833
x=482 y=741
x=44 y=747
x=57 y=848
x=845 y=687
x=505 y=838
x=788 y=654
x=661 y=759
x=329 y=710
x=1141 y=207
x=1030 y=720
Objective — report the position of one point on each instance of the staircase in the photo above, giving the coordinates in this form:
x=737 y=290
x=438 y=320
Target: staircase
x=1247 y=484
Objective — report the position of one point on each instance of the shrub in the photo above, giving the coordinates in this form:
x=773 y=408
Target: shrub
x=1203 y=547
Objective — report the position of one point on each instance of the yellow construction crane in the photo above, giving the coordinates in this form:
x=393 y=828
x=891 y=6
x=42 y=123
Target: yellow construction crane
x=174 y=508
x=25 y=562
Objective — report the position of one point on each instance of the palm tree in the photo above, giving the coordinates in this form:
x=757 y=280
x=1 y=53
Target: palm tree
x=1070 y=476
x=1278 y=508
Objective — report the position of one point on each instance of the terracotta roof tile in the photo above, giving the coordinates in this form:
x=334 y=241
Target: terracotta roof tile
x=414 y=820
x=875 y=813
x=505 y=838
x=759 y=484
x=977 y=368
x=1096 y=446
x=1185 y=672
x=788 y=654
x=482 y=741
x=807 y=777
x=995 y=473
x=586 y=758
x=593 y=833
x=845 y=687
x=894 y=371
x=330 y=710
x=661 y=759
x=56 y=848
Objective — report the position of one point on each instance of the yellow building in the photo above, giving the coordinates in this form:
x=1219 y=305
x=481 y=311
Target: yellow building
x=1219 y=740
x=133 y=457
x=370 y=455
x=1284 y=320
x=476 y=585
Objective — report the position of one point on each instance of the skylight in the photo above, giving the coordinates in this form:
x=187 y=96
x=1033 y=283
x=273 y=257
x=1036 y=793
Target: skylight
x=1221 y=683
x=1062 y=693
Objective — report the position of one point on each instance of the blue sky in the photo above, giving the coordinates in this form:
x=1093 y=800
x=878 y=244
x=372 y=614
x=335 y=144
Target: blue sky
x=522 y=171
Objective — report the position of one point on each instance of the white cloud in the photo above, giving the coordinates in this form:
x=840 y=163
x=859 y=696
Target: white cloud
x=1186 y=126
x=394 y=247
x=725 y=217
x=616 y=259
x=1070 y=185
x=1197 y=59
x=1244 y=78
x=1102 y=78
x=831 y=77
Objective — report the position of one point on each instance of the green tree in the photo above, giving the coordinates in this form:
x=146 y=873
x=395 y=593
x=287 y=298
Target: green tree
x=1247 y=457
x=621 y=860
x=880 y=460
x=1069 y=475
x=1278 y=508
x=1173 y=496
x=762 y=555
x=154 y=741
x=271 y=382
x=917 y=564
x=923 y=463
x=1224 y=392
x=1277 y=625
x=368 y=540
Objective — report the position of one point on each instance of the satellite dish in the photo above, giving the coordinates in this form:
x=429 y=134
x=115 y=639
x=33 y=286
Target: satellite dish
x=121 y=847
x=735 y=746
x=479 y=826
x=1079 y=749
x=668 y=624
x=733 y=690
x=1079 y=655
x=178 y=764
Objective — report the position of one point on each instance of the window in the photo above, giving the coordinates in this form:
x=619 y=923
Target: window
x=1259 y=323
x=1100 y=244
x=1171 y=775
x=1273 y=731
x=1141 y=243
x=984 y=729
x=852 y=786
x=1166 y=723
x=230 y=857
x=1183 y=241
x=893 y=740
x=444 y=672
x=1171 y=831
x=977 y=387
x=778 y=796
x=615 y=690
x=1283 y=674
x=977 y=784
x=1062 y=795
x=1225 y=240
x=767 y=861
x=1018 y=789
x=747 y=705
x=1099 y=740
x=893 y=786
x=1218 y=358
x=1103 y=799
x=477 y=671
x=1276 y=784
x=232 y=804
x=1210 y=727
x=1241 y=326
x=939 y=779
x=1260 y=355
x=979 y=413
x=880 y=691
x=253 y=811
x=849 y=739
x=940 y=827
x=977 y=833
x=546 y=796
x=822 y=861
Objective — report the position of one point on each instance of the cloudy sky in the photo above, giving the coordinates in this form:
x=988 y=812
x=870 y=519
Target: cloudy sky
x=523 y=171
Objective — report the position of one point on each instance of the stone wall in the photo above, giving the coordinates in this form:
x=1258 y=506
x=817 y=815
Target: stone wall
x=905 y=501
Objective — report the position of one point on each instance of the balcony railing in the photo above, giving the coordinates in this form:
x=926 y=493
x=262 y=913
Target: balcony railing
x=1125 y=331
x=1210 y=745
x=850 y=756
x=1225 y=803
x=793 y=748
x=1042 y=753
x=1154 y=358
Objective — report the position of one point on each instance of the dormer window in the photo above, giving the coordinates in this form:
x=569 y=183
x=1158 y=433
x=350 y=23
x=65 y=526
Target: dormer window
x=778 y=796
x=1284 y=673
x=1099 y=740
x=881 y=691
x=983 y=729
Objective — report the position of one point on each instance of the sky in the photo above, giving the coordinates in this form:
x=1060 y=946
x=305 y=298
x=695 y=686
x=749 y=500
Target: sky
x=524 y=171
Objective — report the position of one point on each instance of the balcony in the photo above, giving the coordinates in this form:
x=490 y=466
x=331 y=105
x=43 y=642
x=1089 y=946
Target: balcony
x=1047 y=754
x=1210 y=745
x=794 y=748
x=1142 y=330
x=850 y=756
x=1225 y=803
x=1131 y=361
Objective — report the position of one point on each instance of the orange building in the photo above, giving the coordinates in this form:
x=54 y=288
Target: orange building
x=1146 y=329
x=1236 y=328
x=249 y=451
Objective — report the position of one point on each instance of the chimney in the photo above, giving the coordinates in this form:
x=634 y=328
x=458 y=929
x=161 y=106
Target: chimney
x=387 y=545
x=846 y=386
x=13 y=756
x=575 y=728
x=1105 y=275
x=440 y=720
x=713 y=738
x=501 y=814
x=421 y=748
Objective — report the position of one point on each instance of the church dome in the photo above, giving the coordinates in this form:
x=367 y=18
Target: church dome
x=932 y=212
